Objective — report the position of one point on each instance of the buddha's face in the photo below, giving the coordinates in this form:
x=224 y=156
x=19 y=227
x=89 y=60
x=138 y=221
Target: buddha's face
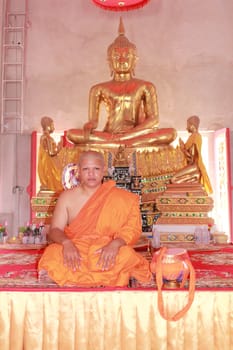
x=190 y=126
x=51 y=127
x=122 y=60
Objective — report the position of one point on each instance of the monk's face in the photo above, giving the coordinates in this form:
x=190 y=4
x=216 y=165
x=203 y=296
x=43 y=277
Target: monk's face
x=91 y=171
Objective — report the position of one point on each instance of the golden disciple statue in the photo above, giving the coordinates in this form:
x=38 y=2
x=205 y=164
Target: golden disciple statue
x=130 y=104
x=195 y=170
x=49 y=167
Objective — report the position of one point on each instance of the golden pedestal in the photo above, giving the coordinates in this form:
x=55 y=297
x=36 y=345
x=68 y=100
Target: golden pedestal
x=185 y=204
x=43 y=206
x=154 y=165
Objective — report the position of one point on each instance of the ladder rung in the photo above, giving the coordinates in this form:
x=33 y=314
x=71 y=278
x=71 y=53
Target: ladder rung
x=14 y=28
x=12 y=63
x=12 y=80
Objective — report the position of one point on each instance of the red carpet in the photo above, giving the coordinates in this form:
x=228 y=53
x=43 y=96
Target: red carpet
x=213 y=266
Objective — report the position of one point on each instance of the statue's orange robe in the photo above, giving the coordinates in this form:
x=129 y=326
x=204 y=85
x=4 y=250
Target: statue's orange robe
x=110 y=213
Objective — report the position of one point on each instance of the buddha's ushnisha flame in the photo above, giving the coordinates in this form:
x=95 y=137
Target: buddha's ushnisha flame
x=121 y=41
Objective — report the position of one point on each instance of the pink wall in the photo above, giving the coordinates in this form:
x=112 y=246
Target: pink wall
x=185 y=48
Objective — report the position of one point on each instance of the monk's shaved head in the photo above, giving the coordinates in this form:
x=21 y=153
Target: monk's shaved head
x=91 y=154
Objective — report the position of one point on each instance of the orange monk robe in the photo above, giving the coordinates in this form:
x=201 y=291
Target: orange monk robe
x=196 y=139
x=110 y=213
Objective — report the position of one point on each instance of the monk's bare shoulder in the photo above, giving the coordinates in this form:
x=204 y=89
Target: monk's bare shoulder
x=69 y=195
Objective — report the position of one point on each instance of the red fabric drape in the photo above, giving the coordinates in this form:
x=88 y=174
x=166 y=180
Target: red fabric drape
x=116 y=5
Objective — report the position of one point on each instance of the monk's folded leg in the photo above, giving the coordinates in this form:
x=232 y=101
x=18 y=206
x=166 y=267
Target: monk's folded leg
x=128 y=264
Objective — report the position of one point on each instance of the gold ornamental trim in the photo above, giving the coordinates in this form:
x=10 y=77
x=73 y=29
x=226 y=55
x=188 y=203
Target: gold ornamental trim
x=44 y=201
x=185 y=220
x=184 y=208
x=179 y=200
x=43 y=209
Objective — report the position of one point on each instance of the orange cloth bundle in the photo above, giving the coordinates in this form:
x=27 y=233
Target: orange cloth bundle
x=171 y=265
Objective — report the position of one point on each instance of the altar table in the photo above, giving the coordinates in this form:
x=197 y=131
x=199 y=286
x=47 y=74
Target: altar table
x=113 y=320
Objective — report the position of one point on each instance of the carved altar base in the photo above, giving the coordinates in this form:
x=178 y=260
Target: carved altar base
x=183 y=207
x=185 y=204
x=176 y=233
x=154 y=165
x=43 y=206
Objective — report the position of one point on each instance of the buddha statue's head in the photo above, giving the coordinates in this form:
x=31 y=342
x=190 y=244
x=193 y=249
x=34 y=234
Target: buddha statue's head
x=122 y=54
x=193 y=123
x=47 y=124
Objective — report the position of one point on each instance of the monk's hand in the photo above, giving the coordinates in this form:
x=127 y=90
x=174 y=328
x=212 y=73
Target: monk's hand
x=108 y=253
x=71 y=255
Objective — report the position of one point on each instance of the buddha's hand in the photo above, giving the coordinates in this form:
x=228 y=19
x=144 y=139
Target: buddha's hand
x=108 y=253
x=88 y=128
x=181 y=143
x=59 y=146
x=71 y=256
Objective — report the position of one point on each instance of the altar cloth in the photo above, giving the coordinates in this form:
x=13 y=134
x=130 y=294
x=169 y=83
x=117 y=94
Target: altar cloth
x=114 y=319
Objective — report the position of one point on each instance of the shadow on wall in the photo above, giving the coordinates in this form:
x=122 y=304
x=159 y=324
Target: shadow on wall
x=15 y=173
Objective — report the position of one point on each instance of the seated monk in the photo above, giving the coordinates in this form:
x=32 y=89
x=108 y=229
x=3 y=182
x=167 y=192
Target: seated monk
x=130 y=103
x=195 y=170
x=49 y=164
x=94 y=227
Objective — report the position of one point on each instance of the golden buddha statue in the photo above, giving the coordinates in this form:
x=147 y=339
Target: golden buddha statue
x=130 y=103
x=195 y=170
x=49 y=164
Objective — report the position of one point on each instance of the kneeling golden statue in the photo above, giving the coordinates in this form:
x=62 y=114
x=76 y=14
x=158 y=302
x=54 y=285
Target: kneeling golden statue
x=130 y=103
x=195 y=170
x=49 y=162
